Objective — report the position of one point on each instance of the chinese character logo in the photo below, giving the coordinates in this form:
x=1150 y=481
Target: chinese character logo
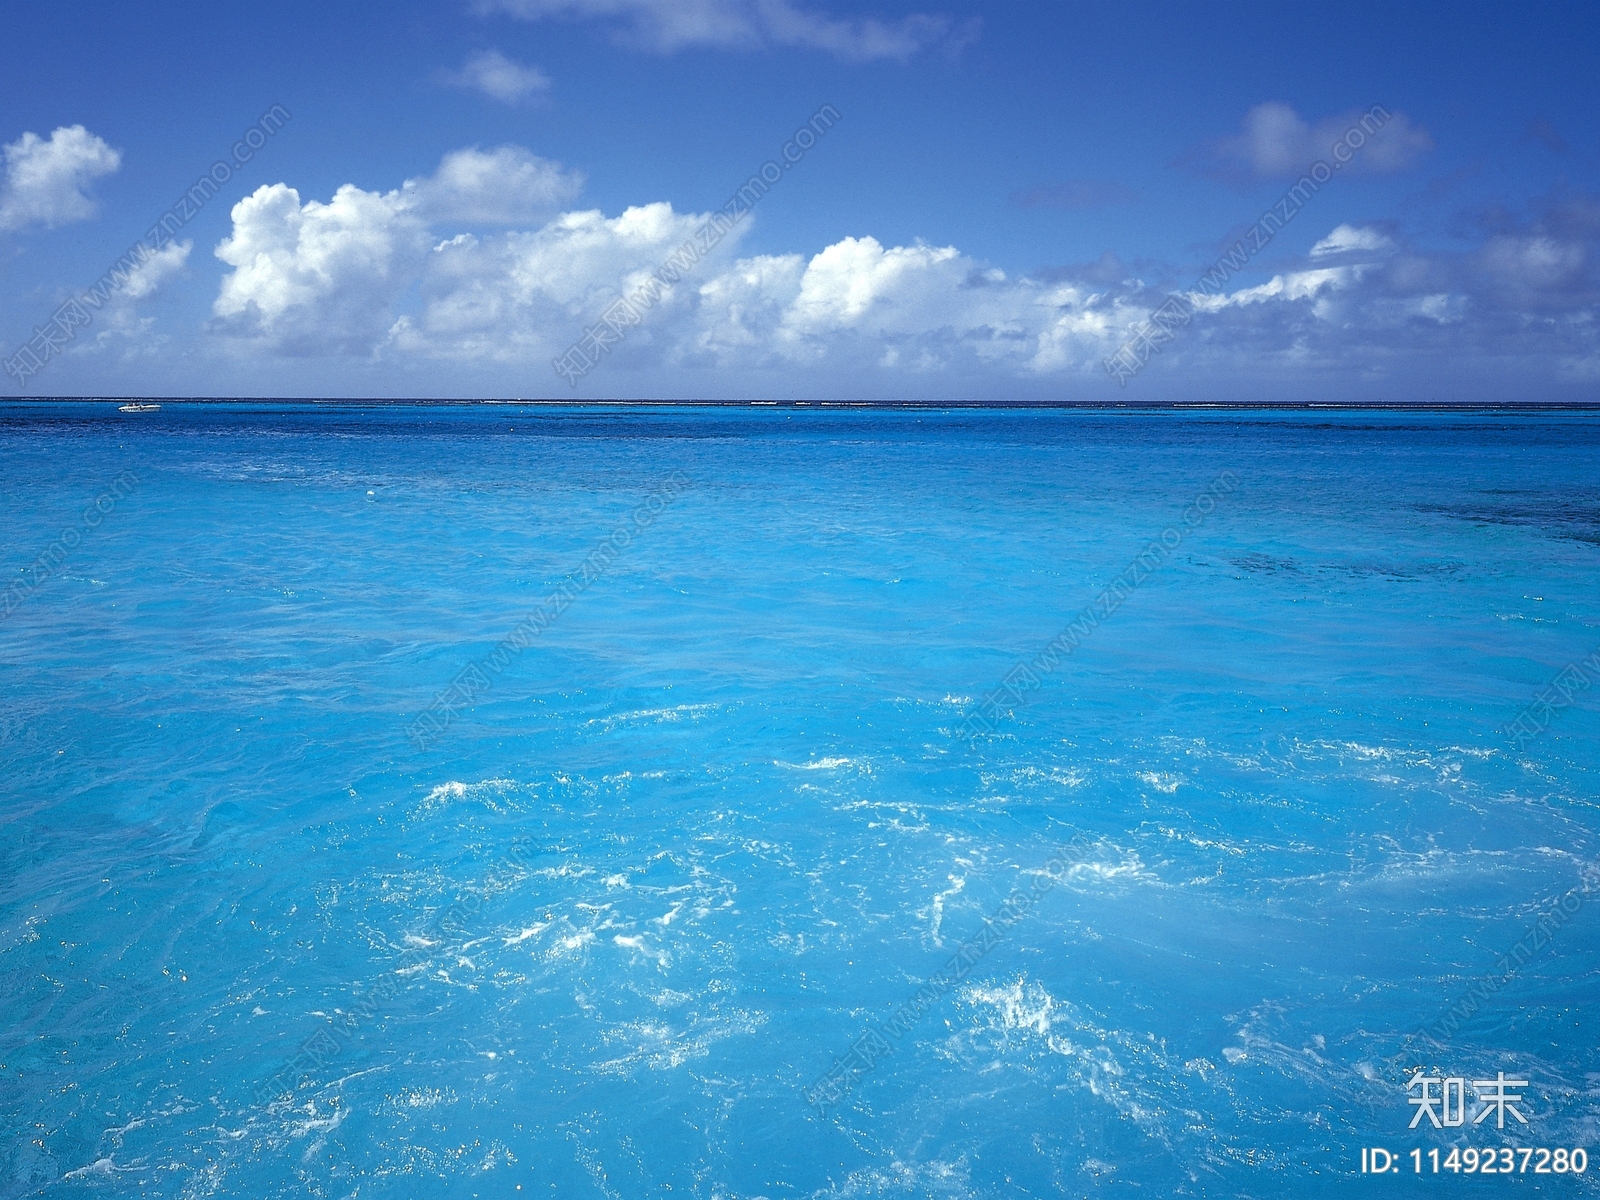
x=1443 y=1099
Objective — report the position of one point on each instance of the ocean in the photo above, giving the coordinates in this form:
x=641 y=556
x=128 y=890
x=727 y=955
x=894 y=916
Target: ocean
x=774 y=801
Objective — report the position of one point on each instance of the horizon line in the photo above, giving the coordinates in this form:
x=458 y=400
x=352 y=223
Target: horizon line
x=616 y=402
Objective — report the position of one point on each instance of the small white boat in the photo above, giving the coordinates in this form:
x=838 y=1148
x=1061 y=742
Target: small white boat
x=138 y=407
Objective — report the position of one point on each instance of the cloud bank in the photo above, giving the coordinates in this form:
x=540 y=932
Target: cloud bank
x=479 y=268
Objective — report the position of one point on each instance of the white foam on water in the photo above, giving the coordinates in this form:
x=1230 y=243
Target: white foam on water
x=1161 y=781
x=484 y=791
x=820 y=764
x=658 y=1046
x=1130 y=1072
x=679 y=712
x=1119 y=866
x=572 y=943
x=957 y=884
x=103 y=1167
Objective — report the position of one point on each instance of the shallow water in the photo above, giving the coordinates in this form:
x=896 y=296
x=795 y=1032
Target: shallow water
x=606 y=931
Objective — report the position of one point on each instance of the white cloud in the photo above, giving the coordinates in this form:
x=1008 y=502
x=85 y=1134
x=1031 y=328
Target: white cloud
x=742 y=308
x=524 y=297
x=149 y=275
x=324 y=276
x=1350 y=239
x=1274 y=142
x=370 y=273
x=44 y=180
x=856 y=275
x=503 y=186
x=318 y=276
x=668 y=25
x=119 y=329
x=500 y=78
x=1295 y=285
x=934 y=309
x=392 y=276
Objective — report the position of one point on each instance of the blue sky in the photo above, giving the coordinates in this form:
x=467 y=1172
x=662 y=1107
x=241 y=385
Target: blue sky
x=461 y=190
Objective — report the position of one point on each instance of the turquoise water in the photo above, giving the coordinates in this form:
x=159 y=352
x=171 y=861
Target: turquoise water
x=717 y=822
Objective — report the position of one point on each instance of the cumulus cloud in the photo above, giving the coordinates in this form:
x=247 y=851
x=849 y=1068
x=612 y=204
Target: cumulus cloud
x=329 y=278
x=322 y=276
x=45 y=180
x=668 y=25
x=1275 y=142
x=316 y=276
x=523 y=296
x=393 y=276
x=854 y=305
x=503 y=186
x=500 y=78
